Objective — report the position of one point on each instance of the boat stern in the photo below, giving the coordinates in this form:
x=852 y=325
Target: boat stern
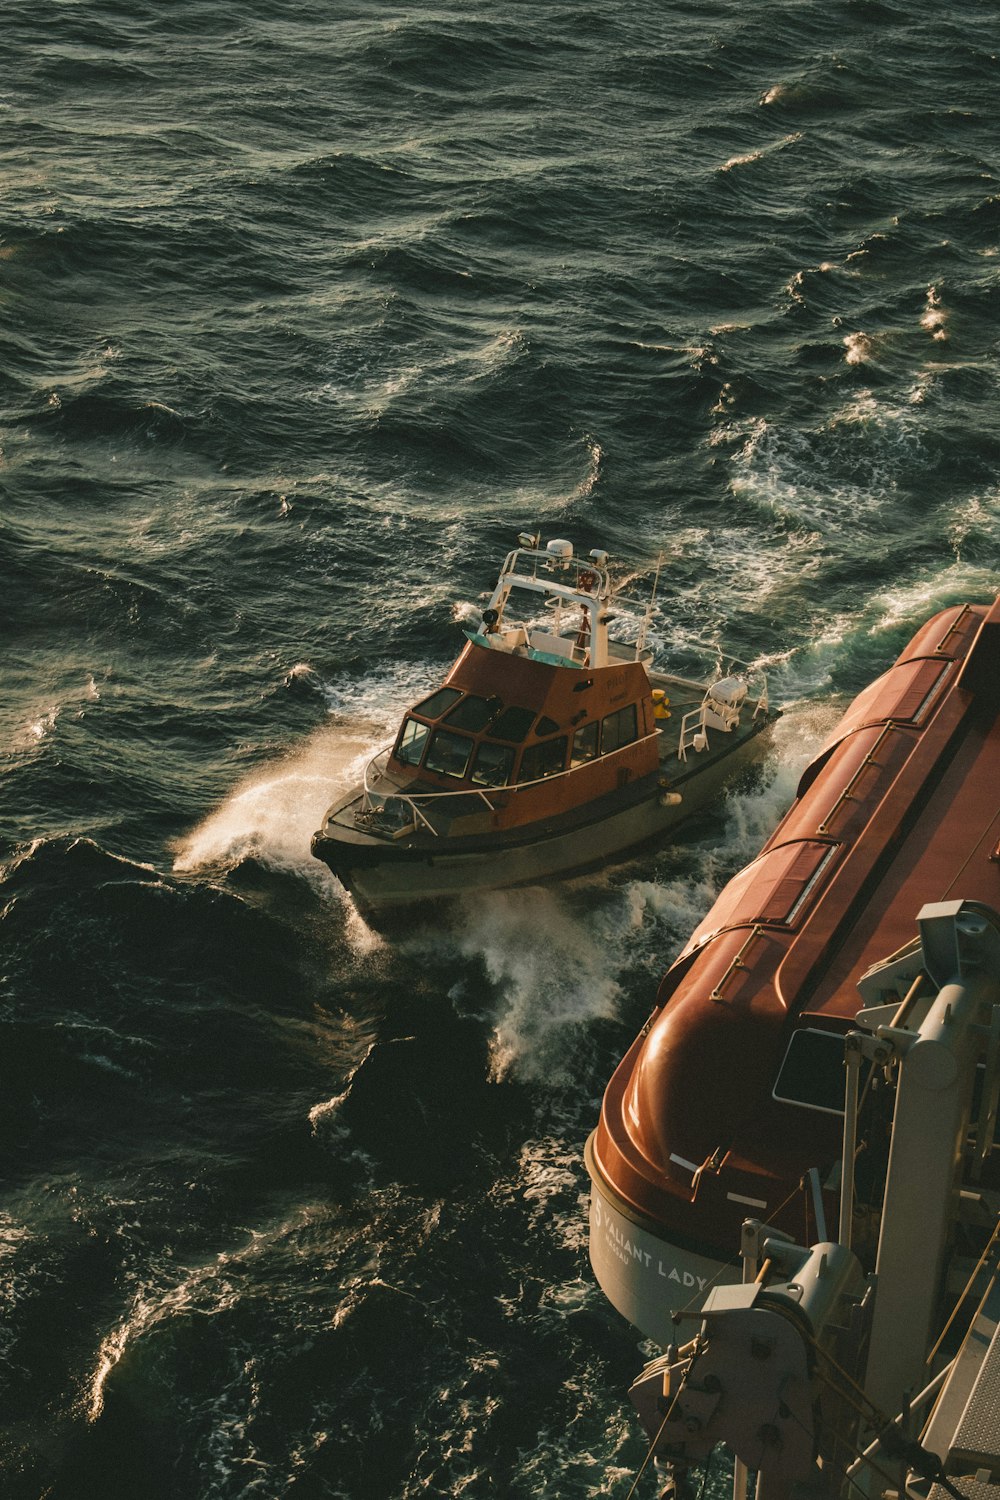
x=646 y=1277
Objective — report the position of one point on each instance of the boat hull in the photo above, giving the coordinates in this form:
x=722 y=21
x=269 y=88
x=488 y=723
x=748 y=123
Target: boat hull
x=733 y=1091
x=391 y=881
x=643 y=1275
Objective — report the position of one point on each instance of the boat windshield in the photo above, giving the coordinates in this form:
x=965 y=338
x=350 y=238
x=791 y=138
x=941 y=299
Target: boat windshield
x=449 y=753
x=513 y=725
x=412 y=742
x=434 y=706
x=494 y=765
x=473 y=713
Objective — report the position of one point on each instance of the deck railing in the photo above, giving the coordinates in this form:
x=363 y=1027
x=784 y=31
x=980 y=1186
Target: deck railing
x=374 y=804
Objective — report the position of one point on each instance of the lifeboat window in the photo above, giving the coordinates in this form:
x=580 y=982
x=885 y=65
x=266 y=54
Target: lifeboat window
x=905 y=694
x=547 y=759
x=449 y=753
x=434 y=706
x=412 y=742
x=812 y=1071
x=513 y=725
x=584 y=744
x=619 y=729
x=473 y=713
x=546 y=726
x=494 y=765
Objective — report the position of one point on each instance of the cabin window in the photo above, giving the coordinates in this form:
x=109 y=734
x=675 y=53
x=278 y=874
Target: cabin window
x=494 y=765
x=547 y=759
x=619 y=729
x=412 y=742
x=513 y=725
x=473 y=713
x=585 y=744
x=449 y=753
x=812 y=1071
x=434 y=706
x=546 y=726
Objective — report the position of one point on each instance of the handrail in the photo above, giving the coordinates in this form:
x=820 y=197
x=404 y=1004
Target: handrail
x=869 y=760
x=684 y=742
x=953 y=628
x=509 y=786
x=755 y=932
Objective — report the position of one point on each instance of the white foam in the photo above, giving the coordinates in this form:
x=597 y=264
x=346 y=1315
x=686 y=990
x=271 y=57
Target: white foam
x=860 y=348
x=911 y=603
x=935 y=317
x=272 y=814
x=553 y=972
x=556 y=956
x=813 y=478
x=978 y=516
x=747 y=158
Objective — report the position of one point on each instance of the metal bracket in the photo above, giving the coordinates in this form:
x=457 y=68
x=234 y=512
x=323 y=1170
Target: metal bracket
x=957 y=937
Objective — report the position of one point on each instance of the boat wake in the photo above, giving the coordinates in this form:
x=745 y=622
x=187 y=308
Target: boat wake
x=553 y=969
x=557 y=958
x=271 y=815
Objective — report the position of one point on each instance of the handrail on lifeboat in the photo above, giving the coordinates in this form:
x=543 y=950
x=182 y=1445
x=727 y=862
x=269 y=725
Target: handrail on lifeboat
x=847 y=795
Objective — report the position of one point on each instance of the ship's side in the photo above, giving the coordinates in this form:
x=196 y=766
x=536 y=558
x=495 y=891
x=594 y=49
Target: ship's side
x=734 y=1089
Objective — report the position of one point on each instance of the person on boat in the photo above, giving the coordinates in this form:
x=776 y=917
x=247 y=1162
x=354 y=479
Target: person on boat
x=661 y=704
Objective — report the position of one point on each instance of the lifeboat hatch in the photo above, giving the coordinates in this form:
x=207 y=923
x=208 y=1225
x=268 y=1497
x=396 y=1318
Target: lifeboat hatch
x=773 y=890
x=811 y=1074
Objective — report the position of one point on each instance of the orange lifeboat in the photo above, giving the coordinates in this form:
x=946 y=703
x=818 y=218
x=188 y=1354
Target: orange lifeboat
x=734 y=1090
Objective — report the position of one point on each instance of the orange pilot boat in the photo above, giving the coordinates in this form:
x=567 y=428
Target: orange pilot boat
x=733 y=1094
x=553 y=746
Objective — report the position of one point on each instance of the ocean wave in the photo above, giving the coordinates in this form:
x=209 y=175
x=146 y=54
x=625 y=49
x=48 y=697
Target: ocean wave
x=305 y=317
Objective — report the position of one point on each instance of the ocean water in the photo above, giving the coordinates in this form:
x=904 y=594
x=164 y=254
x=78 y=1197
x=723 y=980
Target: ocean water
x=304 y=312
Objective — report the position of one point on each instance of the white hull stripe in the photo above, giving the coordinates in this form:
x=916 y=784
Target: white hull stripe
x=692 y=1166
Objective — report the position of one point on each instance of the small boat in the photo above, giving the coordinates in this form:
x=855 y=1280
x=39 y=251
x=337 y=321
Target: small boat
x=731 y=1101
x=553 y=746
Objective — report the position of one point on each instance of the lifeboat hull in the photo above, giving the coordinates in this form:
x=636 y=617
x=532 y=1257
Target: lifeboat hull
x=644 y=1275
x=729 y=1104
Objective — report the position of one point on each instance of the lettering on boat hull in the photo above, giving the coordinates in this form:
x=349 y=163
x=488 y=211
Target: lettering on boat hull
x=643 y=1276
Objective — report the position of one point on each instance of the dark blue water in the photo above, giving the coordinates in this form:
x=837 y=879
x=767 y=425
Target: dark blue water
x=304 y=312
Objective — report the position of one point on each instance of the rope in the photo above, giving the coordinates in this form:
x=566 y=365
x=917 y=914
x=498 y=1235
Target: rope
x=891 y=1442
x=842 y=1470
x=873 y=1414
x=968 y=1288
x=668 y=1414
